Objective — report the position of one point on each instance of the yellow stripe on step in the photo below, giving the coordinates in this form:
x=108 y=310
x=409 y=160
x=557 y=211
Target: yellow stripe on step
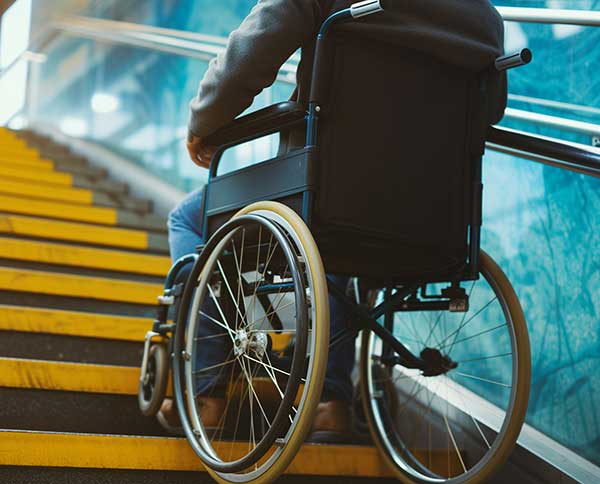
x=56 y=193
x=69 y=285
x=76 y=377
x=69 y=255
x=16 y=161
x=91 y=378
x=73 y=323
x=20 y=152
x=69 y=450
x=37 y=176
x=101 y=215
x=76 y=232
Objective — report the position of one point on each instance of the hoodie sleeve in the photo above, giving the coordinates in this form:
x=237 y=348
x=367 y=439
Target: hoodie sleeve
x=272 y=32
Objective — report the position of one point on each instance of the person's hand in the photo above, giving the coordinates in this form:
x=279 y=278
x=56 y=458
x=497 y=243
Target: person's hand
x=200 y=154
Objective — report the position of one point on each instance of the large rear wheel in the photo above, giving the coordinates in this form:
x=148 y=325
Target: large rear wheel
x=459 y=424
x=257 y=337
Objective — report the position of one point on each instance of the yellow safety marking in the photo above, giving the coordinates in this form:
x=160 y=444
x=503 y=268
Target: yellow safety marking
x=70 y=285
x=73 y=323
x=280 y=340
x=66 y=211
x=69 y=255
x=22 y=151
x=76 y=232
x=18 y=161
x=111 y=379
x=51 y=449
x=33 y=190
x=13 y=141
x=37 y=176
x=77 y=377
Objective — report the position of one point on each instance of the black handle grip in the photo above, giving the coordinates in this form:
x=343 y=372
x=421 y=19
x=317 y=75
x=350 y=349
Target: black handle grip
x=517 y=59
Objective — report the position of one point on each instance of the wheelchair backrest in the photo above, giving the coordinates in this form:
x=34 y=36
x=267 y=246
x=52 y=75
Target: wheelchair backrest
x=400 y=143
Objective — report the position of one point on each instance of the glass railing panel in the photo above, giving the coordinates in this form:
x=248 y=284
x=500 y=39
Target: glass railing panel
x=563 y=79
x=133 y=101
x=542 y=225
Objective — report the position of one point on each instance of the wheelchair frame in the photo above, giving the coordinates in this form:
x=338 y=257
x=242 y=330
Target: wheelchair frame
x=399 y=296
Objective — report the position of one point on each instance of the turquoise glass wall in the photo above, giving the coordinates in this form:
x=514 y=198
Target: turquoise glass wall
x=541 y=224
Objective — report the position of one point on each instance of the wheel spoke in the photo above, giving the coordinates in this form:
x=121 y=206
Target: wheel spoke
x=463 y=325
x=485 y=357
x=218 y=365
x=237 y=307
x=224 y=324
x=249 y=380
x=462 y=462
x=482 y=379
x=274 y=368
x=489 y=330
x=270 y=314
x=239 y=270
x=218 y=335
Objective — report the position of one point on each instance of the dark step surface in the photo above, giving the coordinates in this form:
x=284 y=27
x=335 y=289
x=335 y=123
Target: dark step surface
x=45 y=475
x=56 y=411
x=55 y=347
x=76 y=304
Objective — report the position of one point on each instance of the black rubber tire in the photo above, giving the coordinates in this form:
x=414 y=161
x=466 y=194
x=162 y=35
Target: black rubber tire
x=158 y=363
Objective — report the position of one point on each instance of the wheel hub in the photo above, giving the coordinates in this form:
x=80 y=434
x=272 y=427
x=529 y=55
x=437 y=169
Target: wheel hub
x=436 y=363
x=259 y=342
x=240 y=342
x=248 y=342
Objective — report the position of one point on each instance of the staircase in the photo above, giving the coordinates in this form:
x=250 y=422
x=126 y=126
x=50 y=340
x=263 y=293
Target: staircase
x=81 y=264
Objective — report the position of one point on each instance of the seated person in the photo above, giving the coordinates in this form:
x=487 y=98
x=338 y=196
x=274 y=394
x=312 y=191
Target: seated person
x=272 y=32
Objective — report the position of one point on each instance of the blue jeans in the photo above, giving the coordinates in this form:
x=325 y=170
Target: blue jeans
x=185 y=234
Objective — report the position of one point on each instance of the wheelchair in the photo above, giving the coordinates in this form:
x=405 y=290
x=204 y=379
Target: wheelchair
x=391 y=197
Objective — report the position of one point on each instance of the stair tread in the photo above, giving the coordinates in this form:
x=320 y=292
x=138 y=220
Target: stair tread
x=79 y=256
x=58 y=284
x=72 y=323
x=68 y=376
x=79 y=232
x=24 y=189
x=80 y=213
x=58 y=449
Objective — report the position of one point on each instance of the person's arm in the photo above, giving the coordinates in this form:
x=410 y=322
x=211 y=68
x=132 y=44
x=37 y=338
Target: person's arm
x=272 y=32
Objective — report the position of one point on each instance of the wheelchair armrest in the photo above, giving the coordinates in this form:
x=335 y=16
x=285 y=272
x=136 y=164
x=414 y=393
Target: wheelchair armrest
x=258 y=124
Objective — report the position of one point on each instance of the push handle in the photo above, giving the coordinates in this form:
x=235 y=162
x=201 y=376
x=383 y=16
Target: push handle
x=517 y=59
x=367 y=7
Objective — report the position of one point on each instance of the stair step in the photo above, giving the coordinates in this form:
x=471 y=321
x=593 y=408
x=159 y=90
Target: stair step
x=41 y=177
x=77 y=256
x=68 y=376
x=74 y=412
x=72 y=323
x=16 y=162
x=81 y=213
x=53 y=449
x=88 y=325
x=57 y=284
x=55 y=193
x=22 y=160
x=85 y=233
x=75 y=195
x=55 y=347
x=64 y=180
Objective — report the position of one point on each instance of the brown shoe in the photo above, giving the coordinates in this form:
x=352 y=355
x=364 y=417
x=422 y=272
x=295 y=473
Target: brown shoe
x=211 y=409
x=333 y=423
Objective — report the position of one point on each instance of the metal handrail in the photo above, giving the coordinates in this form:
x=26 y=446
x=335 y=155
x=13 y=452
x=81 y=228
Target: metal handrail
x=206 y=47
x=569 y=156
x=557 y=122
x=588 y=18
